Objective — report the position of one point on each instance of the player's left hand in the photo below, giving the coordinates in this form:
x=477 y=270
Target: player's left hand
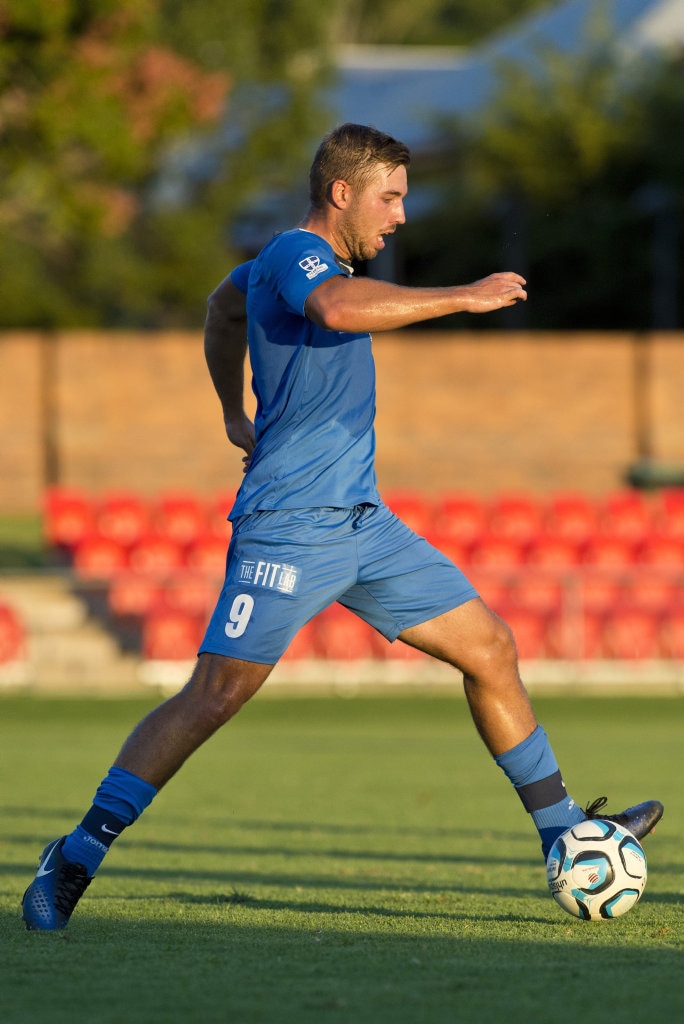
x=495 y=292
x=240 y=431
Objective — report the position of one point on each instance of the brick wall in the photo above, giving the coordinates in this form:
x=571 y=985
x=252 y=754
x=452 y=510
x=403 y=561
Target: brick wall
x=483 y=412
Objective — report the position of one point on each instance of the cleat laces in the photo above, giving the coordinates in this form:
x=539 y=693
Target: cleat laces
x=592 y=809
x=72 y=884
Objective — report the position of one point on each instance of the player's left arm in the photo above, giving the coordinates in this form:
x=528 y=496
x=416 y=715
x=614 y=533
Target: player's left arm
x=225 y=347
x=365 y=304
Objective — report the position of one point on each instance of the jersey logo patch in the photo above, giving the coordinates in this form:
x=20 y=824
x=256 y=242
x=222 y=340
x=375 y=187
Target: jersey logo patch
x=313 y=266
x=269 y=575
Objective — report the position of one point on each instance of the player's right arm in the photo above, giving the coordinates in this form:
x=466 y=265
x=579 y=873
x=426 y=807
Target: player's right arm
x=225 y=347
x=364 y=304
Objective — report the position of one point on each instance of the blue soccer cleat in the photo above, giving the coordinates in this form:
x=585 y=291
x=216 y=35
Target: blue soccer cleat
x=50 y=899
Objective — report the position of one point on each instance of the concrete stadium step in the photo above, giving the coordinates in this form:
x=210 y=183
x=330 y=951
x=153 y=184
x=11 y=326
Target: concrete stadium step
x=67 y=650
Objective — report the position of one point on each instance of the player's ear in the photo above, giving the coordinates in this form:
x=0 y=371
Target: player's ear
x=340 y=194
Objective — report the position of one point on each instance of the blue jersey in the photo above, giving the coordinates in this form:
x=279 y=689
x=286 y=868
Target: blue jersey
x=240 y=276
x=315 y=389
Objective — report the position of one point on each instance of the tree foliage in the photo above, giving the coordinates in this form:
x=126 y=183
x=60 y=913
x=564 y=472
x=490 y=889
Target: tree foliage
x=88 y=100
x=570 y=177
x=425 y=22
x=134 y=132
x=99 y=101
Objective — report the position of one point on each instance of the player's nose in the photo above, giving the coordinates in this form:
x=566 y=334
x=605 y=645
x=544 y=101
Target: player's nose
x=398 y=213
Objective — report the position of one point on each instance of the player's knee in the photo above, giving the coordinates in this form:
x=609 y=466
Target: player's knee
x=219 y=687
x=496 y=653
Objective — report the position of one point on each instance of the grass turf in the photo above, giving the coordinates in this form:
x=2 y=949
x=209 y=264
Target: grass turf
x=22 y=545
x=337 y=861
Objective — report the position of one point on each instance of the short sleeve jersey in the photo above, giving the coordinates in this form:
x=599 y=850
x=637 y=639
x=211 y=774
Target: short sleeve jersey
x=315 y=389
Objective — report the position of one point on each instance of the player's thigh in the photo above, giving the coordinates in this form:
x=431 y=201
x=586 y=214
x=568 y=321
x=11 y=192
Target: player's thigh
x=471 y=637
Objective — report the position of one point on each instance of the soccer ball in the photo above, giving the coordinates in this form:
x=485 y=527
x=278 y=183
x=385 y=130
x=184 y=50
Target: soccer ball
x=596 y=870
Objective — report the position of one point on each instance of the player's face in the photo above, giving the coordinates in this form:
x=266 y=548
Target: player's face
x=375 y=212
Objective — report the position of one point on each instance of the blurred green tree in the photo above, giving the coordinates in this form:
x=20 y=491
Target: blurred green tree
x=573 y=177
x=97 y=98
x=425 y=22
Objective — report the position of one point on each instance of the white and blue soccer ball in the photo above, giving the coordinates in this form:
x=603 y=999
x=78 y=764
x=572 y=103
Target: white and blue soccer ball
x=596 y=870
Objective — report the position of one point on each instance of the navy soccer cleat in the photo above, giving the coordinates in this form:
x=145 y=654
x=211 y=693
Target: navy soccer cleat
x=50 y=899
x=640 y=819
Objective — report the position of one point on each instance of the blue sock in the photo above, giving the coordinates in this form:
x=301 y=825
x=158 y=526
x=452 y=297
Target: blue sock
x=532 y=768
x=120 y=800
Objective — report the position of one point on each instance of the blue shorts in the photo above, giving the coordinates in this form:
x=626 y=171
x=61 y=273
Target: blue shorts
x=285 y=566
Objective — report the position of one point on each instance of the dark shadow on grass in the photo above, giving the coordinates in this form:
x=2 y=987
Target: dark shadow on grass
x=236 y=898
x=263 y=825
x=357 y=854
x=289 y=882
x=11 y=811
x=214 y=970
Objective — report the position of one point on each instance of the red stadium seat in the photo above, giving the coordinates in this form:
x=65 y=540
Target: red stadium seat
x=413 y=509
x=156 y=554
x=537 y=590
x=304 y=644
x=180 y=516
x=492 y=584
x=12 y=635
x=68 y=517
x=497 y=551
x=462 y=517
x=572 y=517
x=133 y=594
x=631 y=633
x=652 y=588
x=662 y=549
x=122 y=517
x=208 y=554
x=529 y=629
x=98 y=557
x=575 y=636
x=193 y=592
x=171 y=635
x=600 y=588
x=517 y=517
x=553 y=550
x=670 y=513
x=450 y=546
x=609 y=550
x=627 y=516
x=343 y=636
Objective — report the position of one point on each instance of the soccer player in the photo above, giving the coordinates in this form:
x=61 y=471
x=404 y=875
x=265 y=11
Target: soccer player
x=309 y=526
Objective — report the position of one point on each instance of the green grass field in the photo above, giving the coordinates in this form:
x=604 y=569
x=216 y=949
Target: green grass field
x=337 y=860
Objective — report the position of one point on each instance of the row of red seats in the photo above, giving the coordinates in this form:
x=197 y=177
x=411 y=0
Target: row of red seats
x=627 y=633
x=117 y=531
x=543 y=608
x=71 y=514
x=594 y=590
x=73 y=517
x=577 y=517
x=98 y=556
x=163 y=560
x=102 y=558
